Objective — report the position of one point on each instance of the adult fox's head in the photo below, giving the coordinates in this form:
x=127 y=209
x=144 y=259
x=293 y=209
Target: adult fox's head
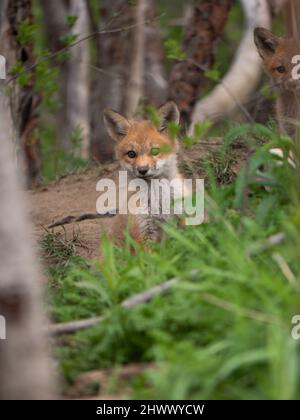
x=144 y=150
x=277 y=54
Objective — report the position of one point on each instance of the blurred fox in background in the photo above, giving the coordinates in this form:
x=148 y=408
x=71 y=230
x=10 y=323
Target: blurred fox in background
x=279 y=56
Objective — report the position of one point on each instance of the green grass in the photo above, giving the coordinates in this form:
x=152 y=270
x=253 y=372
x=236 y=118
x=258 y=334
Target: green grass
x=224 y=331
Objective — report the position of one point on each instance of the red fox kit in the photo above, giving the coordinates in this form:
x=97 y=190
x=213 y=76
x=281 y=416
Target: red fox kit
x=147 y=153
x=277 y=54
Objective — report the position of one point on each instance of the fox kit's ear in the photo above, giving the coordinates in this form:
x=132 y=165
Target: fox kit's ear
x=266 y=42
x=169 y=112
x=116 y=125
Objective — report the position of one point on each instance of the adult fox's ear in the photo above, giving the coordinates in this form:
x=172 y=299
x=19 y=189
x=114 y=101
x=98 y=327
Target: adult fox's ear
x=266 y=42
x=117 y=126
x=168 y=113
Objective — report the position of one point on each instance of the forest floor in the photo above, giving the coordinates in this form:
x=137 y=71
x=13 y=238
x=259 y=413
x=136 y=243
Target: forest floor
x=76 y=194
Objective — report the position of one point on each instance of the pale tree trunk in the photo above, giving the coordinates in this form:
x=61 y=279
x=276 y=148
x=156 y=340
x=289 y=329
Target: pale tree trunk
x=134 y=91
x=155 y=84
x=24 y=361
x=204 y=27
x=111 y=73
x=78 y=79
x=243 y=76
x=74 y=73
x=24 y=100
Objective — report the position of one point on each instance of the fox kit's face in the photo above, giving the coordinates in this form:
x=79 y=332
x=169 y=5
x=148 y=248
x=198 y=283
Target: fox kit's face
x=277 y=54
x=142 y=149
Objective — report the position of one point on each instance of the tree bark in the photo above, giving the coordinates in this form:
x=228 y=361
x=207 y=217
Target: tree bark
x=74 y=74
x=24 y=100
x=203 y=29
x=277 y=5
x=24 y=362
x=134 y=91
x=78 y=80
x=111 y=73
x=129 y=66
x=155 y=84
x=291 y=11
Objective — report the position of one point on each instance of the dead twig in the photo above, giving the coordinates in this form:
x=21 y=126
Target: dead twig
x=144 y=297
x=139 y=298
x=85 y=216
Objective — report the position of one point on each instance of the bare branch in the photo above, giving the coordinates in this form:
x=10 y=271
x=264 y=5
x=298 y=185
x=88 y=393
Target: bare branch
x=139 y=298
x=85 y=216
x=86 y=38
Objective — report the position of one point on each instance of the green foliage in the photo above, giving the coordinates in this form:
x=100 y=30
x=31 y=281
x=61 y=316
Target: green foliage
x=23 y=76
x=57 y=248
x=71 y=20
x=68 y=300
x=152 y=115
x=46 y=73
x=26 y=32
x=174 y=50
x=268 y=93
x=213 y=74
x=224 y=329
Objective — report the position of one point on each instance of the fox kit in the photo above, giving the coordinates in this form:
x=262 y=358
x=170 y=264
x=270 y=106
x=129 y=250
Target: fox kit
x=147 y=152
x=277 y=54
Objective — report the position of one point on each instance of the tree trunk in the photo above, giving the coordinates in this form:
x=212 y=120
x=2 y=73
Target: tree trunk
x=24 y=363
x=129 y=66
x=155 y=84
x=74 y=73
x=111 y=72
x=78 y=80
x=277 y=5
x=24 y=100
x=134 y=91
x=291 y=9
x=202 y=32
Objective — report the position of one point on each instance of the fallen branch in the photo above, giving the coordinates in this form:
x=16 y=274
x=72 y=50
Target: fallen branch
x=144 y=297
x=83 y=385
x=85 y=216
x=139 y=298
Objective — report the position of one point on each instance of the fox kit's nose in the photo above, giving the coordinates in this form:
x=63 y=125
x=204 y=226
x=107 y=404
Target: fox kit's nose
x=143 y=170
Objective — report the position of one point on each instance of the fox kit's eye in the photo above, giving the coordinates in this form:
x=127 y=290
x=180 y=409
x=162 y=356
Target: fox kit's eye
x=280 y=69
x=131 y=154
x=155 y=151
